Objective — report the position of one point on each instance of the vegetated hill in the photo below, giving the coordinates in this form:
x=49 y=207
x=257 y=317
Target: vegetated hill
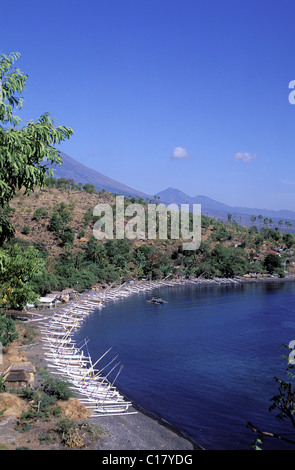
x=79 y=202
x=24 y=207
x=73 y=170
x=81 y=261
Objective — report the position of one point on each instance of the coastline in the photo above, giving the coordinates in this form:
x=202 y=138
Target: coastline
x=135 y=432
x=142 y=431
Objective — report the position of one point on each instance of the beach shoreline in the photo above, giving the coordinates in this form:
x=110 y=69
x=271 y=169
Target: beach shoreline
x=158 y=433
x=140 y=431
x=134 y=432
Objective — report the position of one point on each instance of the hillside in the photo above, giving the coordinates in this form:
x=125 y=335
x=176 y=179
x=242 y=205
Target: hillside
x=58 y=222
x=79 y=202
x=24 y=207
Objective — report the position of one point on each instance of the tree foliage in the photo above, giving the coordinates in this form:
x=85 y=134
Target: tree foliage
x=284 y=403
x=8 y=332
x=273 y=264
x=25 y=156
x=25 y=153
x=17 y=268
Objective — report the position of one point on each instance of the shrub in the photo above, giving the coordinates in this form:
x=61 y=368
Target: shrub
x=40 y=213
x=68 y=235
x=89 y=188
x=8 y=332
x=81 y=234
x=26 y=230
x=55 y=387
x=69 y=433
x=2 y=388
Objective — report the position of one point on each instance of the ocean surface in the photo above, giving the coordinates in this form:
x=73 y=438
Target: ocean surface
x=203 y=362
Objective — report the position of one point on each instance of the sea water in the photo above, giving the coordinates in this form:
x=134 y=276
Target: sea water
x=205 y=361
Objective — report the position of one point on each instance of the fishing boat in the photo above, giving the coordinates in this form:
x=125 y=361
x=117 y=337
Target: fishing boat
x=157 y=301
x=66 y=359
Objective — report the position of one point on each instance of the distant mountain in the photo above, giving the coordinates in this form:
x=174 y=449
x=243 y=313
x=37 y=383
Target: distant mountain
x=71 y=169
x=217 y=209
x=178 y=197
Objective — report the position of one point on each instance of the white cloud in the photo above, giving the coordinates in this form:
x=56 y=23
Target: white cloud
x=245 y=157
x=180 y=153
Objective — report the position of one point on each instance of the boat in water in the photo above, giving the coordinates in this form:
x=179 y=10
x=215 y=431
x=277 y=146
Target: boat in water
x=157 y=301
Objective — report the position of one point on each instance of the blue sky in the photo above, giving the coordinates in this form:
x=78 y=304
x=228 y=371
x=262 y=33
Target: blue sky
x=183 y=93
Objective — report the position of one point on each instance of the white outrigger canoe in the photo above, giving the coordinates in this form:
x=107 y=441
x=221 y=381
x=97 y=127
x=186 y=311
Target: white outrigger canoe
x=67 y=360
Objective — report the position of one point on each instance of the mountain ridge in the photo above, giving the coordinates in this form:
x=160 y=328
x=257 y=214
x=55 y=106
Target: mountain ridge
x=72 y=169
x=172 y=195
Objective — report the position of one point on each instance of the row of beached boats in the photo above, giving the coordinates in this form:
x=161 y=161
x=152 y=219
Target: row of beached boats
x=93 y=382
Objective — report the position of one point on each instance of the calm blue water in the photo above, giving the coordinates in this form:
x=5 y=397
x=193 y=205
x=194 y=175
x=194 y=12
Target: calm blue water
x=205 y=361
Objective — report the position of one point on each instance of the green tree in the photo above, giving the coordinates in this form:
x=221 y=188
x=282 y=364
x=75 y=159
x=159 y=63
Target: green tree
x=50 y=182
x=68 y=235
x=89 y=188
x=284 y=403
x=266 y=221
x=229 y=261
x=8 y=332
x=26 y=230
x=288 y=240
x=62 y=183
x=273 y=264
x=59 y=223
x=25 y=153
x=96 y=252
x=40 y=213
x=17 y=269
